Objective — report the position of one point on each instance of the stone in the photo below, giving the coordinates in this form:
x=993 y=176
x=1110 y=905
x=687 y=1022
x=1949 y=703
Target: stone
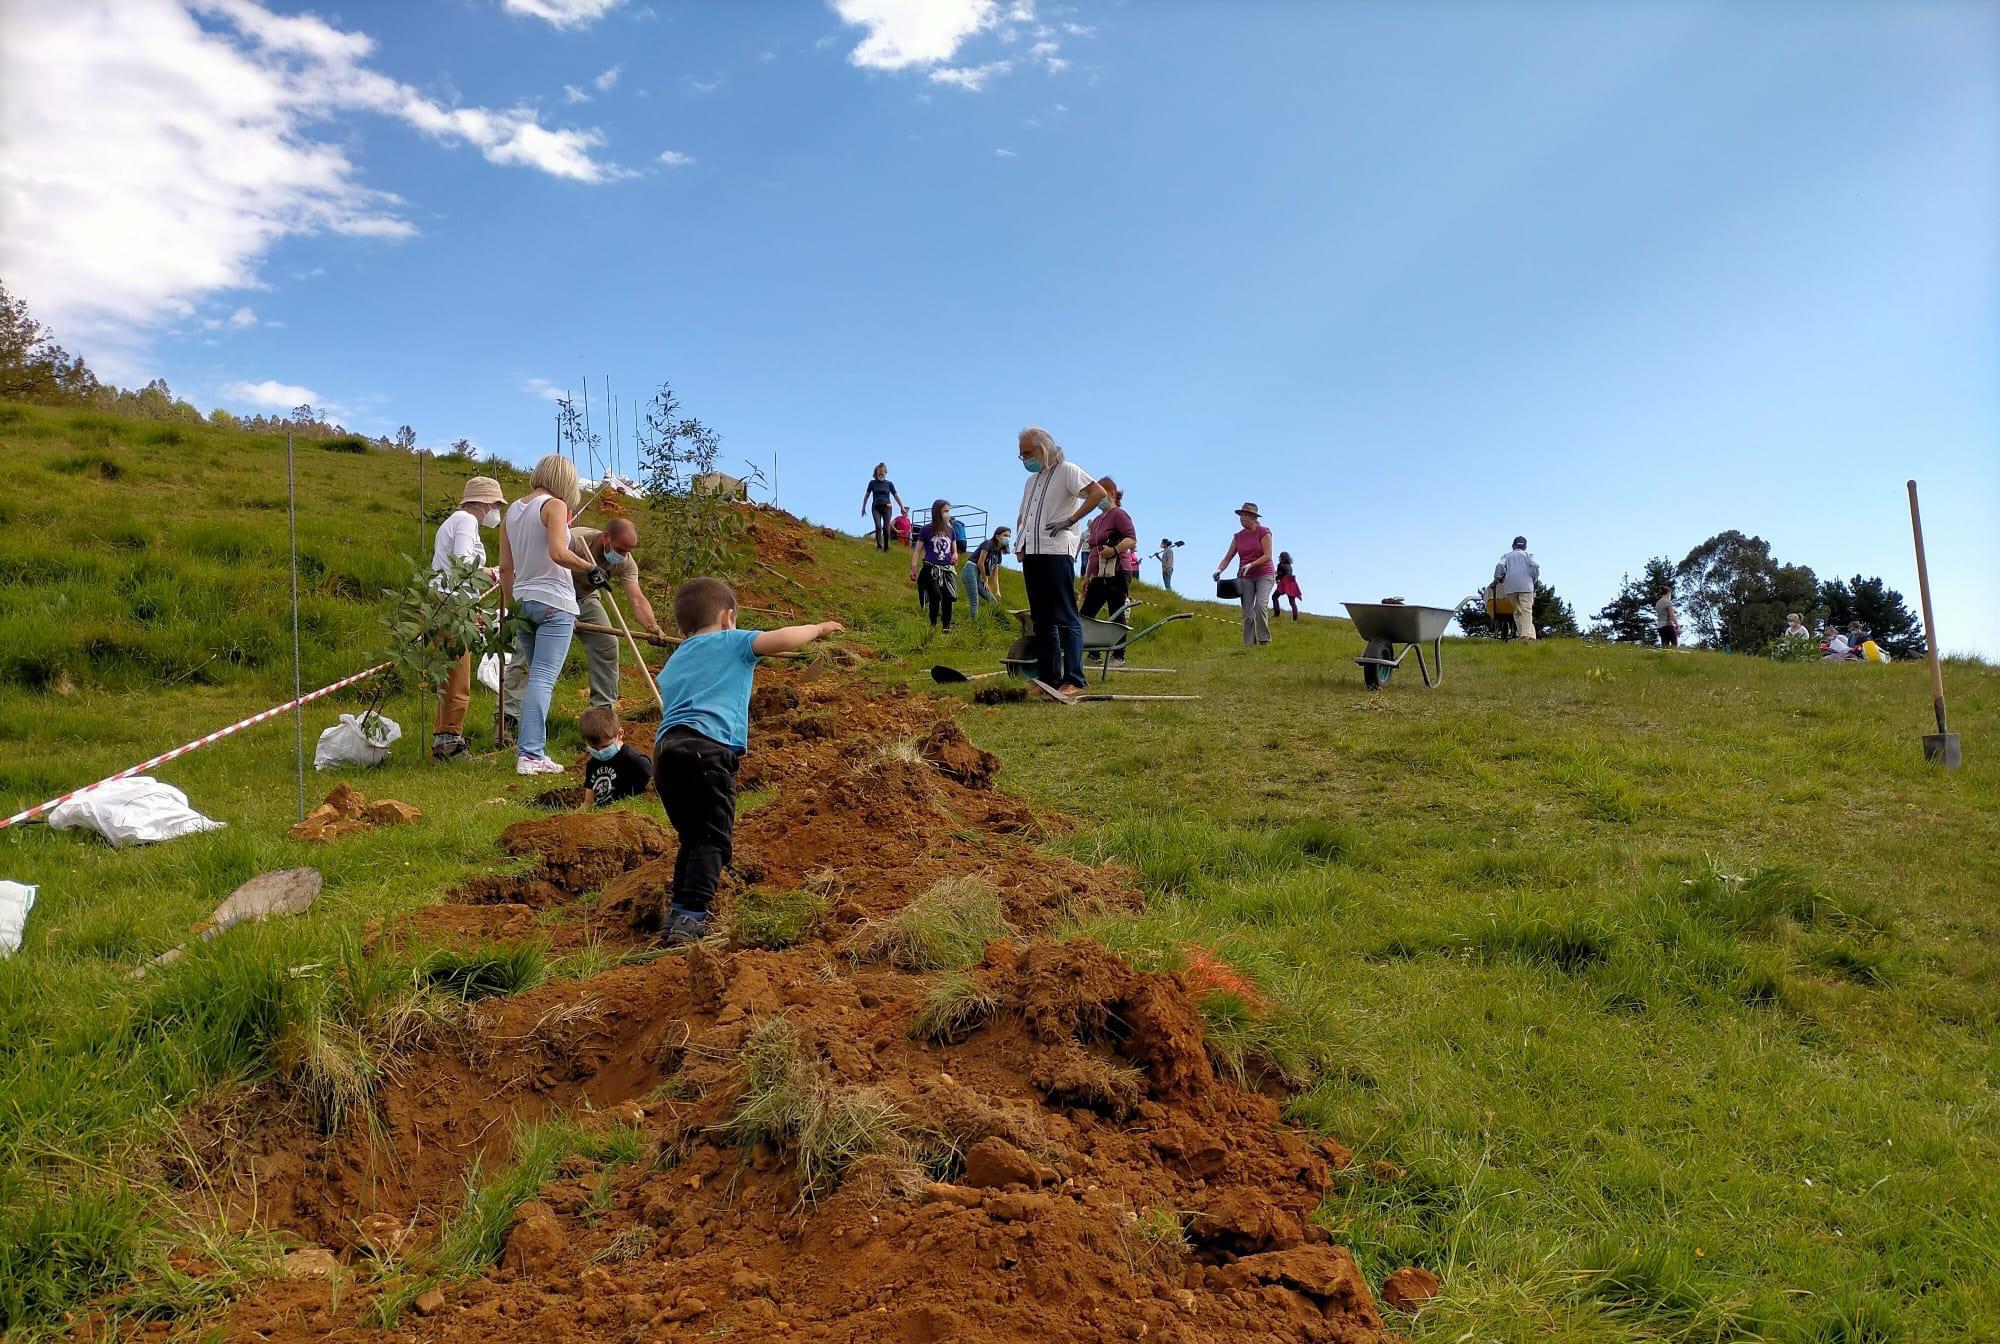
x=994 y=1162
x=535 y=1242
x=963 y=1196
x=346 y=800
x=1410 y=1287
x=313 y=1262
x=1017 y=1206
x=389 y=812
x=429 y=1303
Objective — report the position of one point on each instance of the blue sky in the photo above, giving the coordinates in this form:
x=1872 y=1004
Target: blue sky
x=1415 y=277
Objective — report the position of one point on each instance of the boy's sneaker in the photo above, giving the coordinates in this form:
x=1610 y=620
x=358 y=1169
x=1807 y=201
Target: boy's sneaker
x=536 y=765
x=685 y=926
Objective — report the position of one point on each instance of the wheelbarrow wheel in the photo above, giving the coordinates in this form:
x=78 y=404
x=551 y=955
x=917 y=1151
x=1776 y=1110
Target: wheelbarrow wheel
x=1376 y=675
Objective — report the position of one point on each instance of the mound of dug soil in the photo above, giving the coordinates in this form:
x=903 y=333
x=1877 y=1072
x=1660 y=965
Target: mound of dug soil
x=819 y=1157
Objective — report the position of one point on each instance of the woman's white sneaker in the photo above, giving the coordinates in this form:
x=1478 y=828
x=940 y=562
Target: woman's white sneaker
x=536 y=765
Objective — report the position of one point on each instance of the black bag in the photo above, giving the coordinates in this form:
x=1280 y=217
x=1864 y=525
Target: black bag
x=1229 y=588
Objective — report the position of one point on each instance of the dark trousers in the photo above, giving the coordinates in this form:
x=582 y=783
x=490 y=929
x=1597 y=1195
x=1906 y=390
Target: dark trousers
x=937 y=588
x=1102 y=593
x=882 y=516
x=696 y=777
x=1051 y=584
x=1670 y=636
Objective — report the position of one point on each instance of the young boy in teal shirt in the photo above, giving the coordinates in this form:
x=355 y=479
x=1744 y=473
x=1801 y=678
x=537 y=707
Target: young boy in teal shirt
x=704 y=731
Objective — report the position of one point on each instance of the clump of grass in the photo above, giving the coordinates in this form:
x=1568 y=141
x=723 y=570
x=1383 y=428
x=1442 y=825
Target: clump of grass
x=628 y=1244
x=1155 y=1241
x=774 y=920
x=956 y=1005
x=487 y=972
x=790 y=1100
x=945 y=928
x=1662 y=1288
x=471 y=1242
x=62 y=1249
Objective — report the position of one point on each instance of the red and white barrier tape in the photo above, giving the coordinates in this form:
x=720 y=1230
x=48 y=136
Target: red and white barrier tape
x=187 y=747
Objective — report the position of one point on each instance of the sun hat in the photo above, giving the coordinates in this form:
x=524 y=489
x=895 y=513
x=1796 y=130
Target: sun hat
x=482 y=490
x=1250 y=509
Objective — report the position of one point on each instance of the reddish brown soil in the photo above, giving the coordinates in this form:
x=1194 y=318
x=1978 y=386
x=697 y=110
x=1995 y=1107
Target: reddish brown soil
x=1085 y=1098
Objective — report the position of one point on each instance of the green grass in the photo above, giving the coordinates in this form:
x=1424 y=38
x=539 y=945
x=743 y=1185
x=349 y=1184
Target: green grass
x=1668 y=982
x=946 y=927
x=1667 y=985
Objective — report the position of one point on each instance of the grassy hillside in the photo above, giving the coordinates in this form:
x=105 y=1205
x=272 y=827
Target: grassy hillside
x=1656 y=993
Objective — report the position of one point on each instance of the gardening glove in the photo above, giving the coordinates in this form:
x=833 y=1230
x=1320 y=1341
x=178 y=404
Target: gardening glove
x=597 y=578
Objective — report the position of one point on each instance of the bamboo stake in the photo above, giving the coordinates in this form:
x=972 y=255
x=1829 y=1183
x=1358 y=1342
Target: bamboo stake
x=651 y=685
x=1943 y=747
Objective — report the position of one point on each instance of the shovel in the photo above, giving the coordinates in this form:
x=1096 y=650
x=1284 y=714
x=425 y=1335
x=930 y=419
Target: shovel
x=285 y=891
x=1074 y=698
x=947 y=676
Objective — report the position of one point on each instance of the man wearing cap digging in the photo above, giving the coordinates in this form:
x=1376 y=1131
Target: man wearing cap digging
x=458 y=539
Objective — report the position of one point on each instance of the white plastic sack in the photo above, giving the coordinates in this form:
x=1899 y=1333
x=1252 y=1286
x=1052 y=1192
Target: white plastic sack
x=135 y=811
x=489 y=673
x=346 y=744
x=16 y=900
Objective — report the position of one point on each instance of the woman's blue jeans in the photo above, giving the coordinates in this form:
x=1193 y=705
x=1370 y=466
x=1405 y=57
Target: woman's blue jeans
x=547 y=647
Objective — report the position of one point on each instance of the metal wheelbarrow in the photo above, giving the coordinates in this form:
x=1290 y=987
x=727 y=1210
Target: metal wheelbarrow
x=1385 y=625
x=1103 y=640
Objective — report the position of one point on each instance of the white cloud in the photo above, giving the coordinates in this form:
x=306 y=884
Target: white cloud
x=243 y=317
x=1078 y=29
x=150 y=161
x=270 y=393
x=562 y=13
x=1005 y=154
x=903 y=33
x=573 y=95
x=543 y=388
x=609 y=78
x=702 y=86
x=971 y=78
x=673 y=158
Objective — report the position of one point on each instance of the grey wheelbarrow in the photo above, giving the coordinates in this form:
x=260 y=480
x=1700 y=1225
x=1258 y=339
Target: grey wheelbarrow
x=1104 y=641
x=1385 y=625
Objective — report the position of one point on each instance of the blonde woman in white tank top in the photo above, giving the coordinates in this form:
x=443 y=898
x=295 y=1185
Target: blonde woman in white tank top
x=535 y=567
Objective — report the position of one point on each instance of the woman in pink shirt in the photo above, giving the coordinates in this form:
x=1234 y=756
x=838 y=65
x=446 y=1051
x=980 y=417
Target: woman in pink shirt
x=1250 y=548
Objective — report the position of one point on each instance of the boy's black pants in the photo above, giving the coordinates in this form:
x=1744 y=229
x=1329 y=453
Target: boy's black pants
x=696 y=777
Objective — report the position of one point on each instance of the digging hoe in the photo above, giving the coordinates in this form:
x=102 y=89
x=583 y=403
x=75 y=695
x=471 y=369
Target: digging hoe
x=947 y=676
x=285 y=891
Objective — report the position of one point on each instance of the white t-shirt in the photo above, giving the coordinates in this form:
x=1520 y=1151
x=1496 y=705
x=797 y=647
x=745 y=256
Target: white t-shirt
x=457 y=539
x=1051 y=496
x=1663 y=611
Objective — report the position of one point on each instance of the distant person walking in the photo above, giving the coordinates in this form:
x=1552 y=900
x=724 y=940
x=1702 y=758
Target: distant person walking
x=934 y=564
x=1515 y=575
x=1668 y=620
x=1287 y=586
x=1058 y=494
x=981 y=574
x=536 y=563
x=1256 y=575
x=875 y=499
x=1165 y=555
x=458 y=539
x=1110 y=540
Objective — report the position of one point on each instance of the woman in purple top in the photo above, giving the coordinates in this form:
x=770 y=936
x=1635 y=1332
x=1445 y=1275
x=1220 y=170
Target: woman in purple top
x=934 y=564
x=1250 y=548
x=1108 y=542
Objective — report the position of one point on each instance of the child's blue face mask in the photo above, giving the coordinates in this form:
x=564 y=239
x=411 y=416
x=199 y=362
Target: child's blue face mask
x=1032 y=465
x=607 y=751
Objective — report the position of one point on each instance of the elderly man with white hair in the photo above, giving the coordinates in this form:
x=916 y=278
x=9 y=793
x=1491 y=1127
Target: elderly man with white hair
x=1059 y=494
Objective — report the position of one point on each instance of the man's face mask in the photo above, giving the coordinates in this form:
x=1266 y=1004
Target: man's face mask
x=613 y=559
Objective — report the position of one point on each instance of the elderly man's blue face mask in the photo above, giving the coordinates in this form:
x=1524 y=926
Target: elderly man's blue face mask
x=1031 y=465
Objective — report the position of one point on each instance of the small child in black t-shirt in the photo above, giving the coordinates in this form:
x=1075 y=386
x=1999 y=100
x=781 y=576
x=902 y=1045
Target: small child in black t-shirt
x=615 y=770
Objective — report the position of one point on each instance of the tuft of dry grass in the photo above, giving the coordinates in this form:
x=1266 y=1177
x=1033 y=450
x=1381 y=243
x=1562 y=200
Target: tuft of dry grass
x=944 y=929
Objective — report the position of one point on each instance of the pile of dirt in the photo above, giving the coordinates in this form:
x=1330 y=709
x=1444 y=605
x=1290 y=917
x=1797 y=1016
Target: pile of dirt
x=347 y=812
x=1061 y=1161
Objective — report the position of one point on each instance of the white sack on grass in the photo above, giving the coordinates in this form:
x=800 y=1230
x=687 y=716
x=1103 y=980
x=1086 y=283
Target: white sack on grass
x=490 y=672
x=16 y=900
x=135 y=811
x=346 y=744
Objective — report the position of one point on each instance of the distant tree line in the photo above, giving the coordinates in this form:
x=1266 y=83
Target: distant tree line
x=34 y=368
x=1733 y=594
